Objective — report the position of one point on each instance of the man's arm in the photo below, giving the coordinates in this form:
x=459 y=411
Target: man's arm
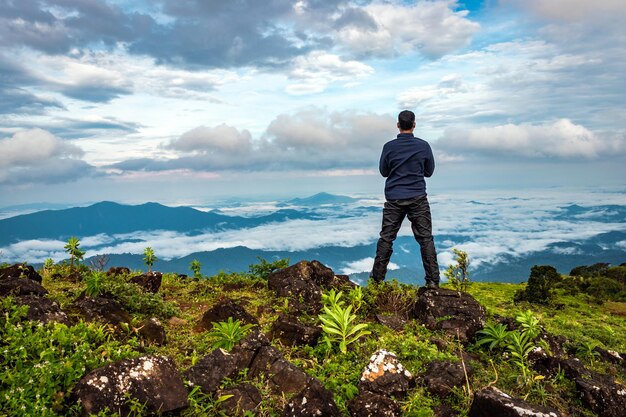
x=429 y=163
x=383 y=167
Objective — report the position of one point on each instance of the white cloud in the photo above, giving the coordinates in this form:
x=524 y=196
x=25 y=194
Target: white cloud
x=364 y=265
x=449 y=85
x=432 y=28
x=315 y=71
x=31 y=147
x=219 y=139
x=560 y=139
x=571 y=10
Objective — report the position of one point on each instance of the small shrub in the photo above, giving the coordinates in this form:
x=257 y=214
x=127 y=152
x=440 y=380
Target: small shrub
x=135 y=300
x=228 y=333
x=72 y=248
x=264 y=268
x=390 y=297
x=458 y=272
x=540 y=285
x=338 y=323
x=195 y=267
x=149 y=258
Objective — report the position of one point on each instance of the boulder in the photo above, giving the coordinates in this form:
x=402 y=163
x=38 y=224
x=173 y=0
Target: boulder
x=612 y=356
x=385 y=375
x=490 y=402
x=445 y=411
x=209 y=371
x=150 y=281
x=454 y=312
x=245 y=399
x=441 y=377
x=16 y=286
x=369 y=404
x=118 y=270
x=99 y=309
x=303 y=282
x=221 y=311
x=20 y=271
x=394 y=321
x=282 y=375
x=153 y=332
x=289 y=330
x=314 y=400
x=150 y=380
x=248 y=347
x=598 y=392
x=42 y=309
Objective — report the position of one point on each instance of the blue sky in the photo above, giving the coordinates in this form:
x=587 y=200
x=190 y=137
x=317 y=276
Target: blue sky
x=185 y=102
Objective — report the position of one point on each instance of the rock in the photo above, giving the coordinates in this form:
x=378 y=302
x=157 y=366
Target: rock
x=153 y=332
x=445 y=411
x=43 y=310
x=245 y=399
x=454 y=312
x=314 y=400
x=209 y=371
x=150 y=281
x=100 y=309
x=385 y=375
x=221 y=311
x=248 y=347
x=395 y=322
x=283 y=376
x=20 y=271
x=441 y=377
x=20 y=286
x=369 y=404
x=598 y=392
x=150 y=380
x=302 y=283
x=118 y=270
x=74 y=276
x=293 y=333
x=491 y=402
x=612 y=356
x=177 y=321
x=555 y=343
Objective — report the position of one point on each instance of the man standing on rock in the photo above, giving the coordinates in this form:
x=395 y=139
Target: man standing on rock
x=405 y=161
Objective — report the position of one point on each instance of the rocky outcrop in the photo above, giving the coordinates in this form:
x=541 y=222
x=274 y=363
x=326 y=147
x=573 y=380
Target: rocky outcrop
x=153 y=332
x=221 y=311
x=20 y=271
x=303 y=282
x=118 y=270
x=441 y=377
x=290 y=331
x=16 y=286
x=100 y=309
x=43 y=310
x=393 y=321
x=151 y=281
x=369 y=404
x=314 y=400
x=244 y=398
x=385 y=375
x=211 y=369
x=150 y=380
x=282 y=375
x=454 y=312
x=491 y=402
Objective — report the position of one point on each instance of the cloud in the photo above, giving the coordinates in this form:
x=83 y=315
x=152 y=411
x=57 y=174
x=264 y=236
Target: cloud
x=558 y=139
x=432 y=28
x=311 y=139
x=571 y=10
x=449 y=85
x=36 y=155
x=364 y=265
x=315 y=71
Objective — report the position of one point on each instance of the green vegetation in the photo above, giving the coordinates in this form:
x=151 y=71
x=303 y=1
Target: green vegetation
x=56 y=356
x=458 y=272
x=72 y=248
x=195 y=267
x=264 y=268
x=149 y=258
x=228 y=333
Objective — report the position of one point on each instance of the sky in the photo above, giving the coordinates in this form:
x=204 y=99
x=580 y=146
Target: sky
x=185 y=102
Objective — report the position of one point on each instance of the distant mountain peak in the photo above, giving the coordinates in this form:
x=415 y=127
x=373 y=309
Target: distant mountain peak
x=322 y=198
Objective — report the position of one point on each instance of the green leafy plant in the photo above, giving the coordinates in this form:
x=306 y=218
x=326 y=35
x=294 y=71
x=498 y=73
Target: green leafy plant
x=355 y=298
x=195 y=267
x=493 y=335
x=587 y=351
x=529 y=324
x=458 y=272
x=519 y=345
x=338 y=322
x=72 y=248
x=228 y=333
x=149 y=258
x=264 y=268
x=539 y=289
x=94 y=283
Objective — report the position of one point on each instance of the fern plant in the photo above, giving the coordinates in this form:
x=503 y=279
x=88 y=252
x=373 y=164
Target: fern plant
x=529 y=324
x=338 y=322
x=228 y=333
x=494 y=335
x=94 y=284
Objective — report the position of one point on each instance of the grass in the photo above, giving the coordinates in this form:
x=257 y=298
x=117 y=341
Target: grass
x=578 y=318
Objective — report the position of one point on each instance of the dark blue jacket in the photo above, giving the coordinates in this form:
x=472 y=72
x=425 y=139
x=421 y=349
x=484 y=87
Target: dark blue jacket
x=405 y=161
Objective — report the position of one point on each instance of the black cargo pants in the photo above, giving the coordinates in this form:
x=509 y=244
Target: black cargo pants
x=418 y=211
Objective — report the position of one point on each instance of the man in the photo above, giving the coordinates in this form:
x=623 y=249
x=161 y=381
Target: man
x=405 y=161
